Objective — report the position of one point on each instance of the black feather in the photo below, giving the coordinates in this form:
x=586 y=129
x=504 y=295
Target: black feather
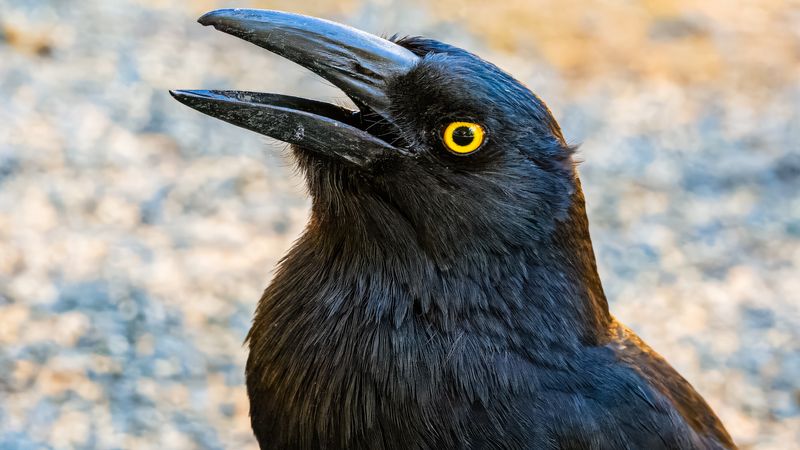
x=443 y=301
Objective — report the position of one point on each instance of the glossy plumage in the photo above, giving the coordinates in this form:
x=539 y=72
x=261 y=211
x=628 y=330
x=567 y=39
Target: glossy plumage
x=446 y=301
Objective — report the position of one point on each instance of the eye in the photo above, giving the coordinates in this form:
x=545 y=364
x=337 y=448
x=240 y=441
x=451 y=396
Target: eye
x=463 y=137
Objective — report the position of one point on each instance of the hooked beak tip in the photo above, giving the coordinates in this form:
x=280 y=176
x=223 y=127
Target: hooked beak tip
x=229 y=17
x=180 y=94
x=212 y=17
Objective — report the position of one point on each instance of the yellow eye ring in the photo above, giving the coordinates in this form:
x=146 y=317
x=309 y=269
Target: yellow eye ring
x=463 y=137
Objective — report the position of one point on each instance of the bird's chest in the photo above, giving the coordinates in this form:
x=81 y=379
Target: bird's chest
x=350 y=379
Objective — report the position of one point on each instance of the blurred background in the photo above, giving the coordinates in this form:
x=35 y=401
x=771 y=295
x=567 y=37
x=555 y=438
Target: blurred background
x=136 y=235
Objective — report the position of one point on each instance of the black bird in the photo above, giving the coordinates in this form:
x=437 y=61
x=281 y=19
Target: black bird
x=444 y=293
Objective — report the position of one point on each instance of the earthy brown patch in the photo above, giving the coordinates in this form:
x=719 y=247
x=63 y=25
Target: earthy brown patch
x=680 y=40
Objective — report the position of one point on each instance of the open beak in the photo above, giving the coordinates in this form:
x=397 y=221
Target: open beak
x=358 y=63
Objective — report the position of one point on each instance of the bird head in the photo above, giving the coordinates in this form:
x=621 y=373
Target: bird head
x=445 y=152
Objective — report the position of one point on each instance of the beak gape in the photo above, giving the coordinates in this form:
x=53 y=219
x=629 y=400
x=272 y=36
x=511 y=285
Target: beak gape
x=358 y=63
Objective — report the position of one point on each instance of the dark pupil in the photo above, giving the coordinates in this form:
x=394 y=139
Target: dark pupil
x=463 y=136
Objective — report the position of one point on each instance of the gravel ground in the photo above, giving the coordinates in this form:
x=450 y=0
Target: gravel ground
x=136 y=235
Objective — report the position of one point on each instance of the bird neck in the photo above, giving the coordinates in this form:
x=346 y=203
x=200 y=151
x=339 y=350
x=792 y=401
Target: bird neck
x=549 y=283
x=568 y=281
